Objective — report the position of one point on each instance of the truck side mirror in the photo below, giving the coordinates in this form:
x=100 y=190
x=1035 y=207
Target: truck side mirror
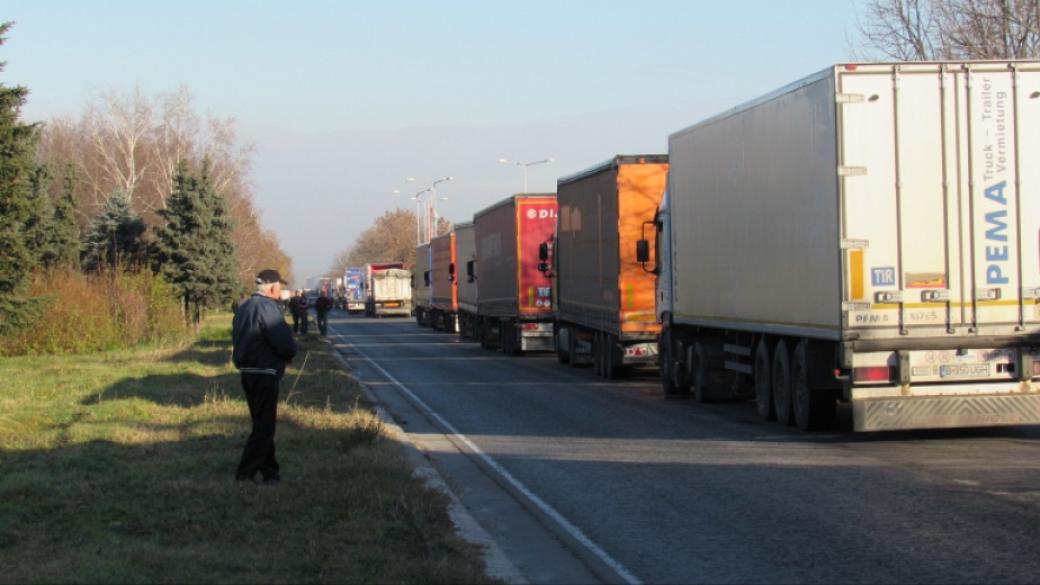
x=426 y=278
x=471 y=271
x=643 y=251
x=543 y=267
x=543 y=252
x=451 y=272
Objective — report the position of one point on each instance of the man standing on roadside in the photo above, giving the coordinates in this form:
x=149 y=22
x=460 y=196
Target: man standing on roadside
x=263 y=344
x=299 y=307
x=322 y=307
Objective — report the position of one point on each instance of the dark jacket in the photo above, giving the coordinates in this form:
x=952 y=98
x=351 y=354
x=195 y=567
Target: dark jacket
x=299 y=305
x=323 y=305
x=263 y=341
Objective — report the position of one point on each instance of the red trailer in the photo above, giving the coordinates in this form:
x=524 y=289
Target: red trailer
x=514 y=298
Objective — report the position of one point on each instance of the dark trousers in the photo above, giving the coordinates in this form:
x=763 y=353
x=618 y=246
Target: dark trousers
x=323 y=322
x=295 y=322
x=304 y=322
x=258 y=455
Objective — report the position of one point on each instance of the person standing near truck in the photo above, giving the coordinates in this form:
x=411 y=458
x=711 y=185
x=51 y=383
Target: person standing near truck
x=322 y=307
x=262 y=346
x=298 y=306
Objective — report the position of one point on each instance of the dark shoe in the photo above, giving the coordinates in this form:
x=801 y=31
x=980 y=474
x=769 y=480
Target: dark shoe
x=271 y=481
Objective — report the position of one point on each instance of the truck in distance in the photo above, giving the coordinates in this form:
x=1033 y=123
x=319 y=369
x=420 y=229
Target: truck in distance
x=388 y=290
x=514 y=299
x=466 y=269
x=604 y=296
x=421 y=299
x=444 y=286
x=354 y=290
x=867 y=234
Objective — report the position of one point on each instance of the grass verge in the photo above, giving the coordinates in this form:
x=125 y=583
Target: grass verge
x=118 y=466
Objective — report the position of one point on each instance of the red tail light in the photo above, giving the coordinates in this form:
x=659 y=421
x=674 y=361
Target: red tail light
x=873 y=374
x=530 y=327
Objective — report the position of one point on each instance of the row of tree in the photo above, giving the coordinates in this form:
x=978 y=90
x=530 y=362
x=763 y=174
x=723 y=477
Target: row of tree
x=134 y=183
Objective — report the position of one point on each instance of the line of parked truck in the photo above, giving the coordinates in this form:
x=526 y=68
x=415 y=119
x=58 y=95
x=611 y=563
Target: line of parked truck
x=869 y=234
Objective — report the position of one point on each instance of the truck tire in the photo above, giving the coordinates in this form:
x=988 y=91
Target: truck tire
x=811 y=409
x=561 y=348
x=572 y=348
x=484 y=333
x=507 y=330
x=611 y=360
x=763 y=380
x=671 y=383
x=711 y=381
x=782 y=383
x=601 y=354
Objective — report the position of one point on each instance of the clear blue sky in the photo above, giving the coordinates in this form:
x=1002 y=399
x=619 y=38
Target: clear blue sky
x=344 y=99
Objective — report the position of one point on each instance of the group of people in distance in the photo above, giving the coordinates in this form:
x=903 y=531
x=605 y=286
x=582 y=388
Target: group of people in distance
x=299 y=308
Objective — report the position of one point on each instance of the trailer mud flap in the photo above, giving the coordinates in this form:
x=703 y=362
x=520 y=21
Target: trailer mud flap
x=943 y=412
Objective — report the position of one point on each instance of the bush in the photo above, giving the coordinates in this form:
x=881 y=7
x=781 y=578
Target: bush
x=83 y=313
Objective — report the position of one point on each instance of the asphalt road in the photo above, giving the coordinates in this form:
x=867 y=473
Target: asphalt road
x=677 y=492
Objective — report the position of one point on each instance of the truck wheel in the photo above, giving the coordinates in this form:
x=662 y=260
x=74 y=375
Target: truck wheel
x=418 y=317
x=597 y=358
x=763 y=382
x=812 y=409
x=484 y=334
x=668 y=367
x=507 y=331
x=782 y=383
x=561 y=345
x=701 y=373
x=711 y=380
x=611 y=359
x=572 y=348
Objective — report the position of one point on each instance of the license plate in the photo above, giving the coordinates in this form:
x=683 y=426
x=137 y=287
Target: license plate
x=964 y=371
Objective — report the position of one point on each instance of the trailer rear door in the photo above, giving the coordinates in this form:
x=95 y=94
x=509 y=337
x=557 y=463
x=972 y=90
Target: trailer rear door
x=940 y=220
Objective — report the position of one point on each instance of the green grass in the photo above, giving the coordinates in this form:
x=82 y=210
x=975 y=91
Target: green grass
x=118 y=467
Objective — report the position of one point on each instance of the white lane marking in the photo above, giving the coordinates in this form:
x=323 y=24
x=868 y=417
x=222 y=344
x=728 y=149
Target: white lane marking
x=547 y=509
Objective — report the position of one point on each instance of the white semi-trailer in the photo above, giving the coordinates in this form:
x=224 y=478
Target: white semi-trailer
x=869 y=234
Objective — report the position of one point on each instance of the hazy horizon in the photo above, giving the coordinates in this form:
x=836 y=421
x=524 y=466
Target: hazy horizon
x=343 y=101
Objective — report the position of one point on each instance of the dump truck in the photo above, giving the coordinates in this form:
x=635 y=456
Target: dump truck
x=444 y=286
x=604 y=296
x=868 y=234
x=354 y=290
x=514 y=299
x=388 y=290
x=466 y=258
x=421 y=299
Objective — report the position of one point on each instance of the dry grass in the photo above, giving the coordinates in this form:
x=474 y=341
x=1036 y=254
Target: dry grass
x=117 y=467
x=86 y=313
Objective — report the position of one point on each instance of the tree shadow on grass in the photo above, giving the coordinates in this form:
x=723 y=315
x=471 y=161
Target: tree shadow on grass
x=207 y=351
x=184 y=390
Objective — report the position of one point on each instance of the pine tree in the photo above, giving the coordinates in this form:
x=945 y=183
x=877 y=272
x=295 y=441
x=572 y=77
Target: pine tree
x=114 y=237
x=38 y=226
x=63 y=245
x=18 y=146
x=193 y=249
x=220 y=249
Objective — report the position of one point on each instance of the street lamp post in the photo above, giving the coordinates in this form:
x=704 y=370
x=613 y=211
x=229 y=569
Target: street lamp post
x=524 y=165
x=430 y=219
